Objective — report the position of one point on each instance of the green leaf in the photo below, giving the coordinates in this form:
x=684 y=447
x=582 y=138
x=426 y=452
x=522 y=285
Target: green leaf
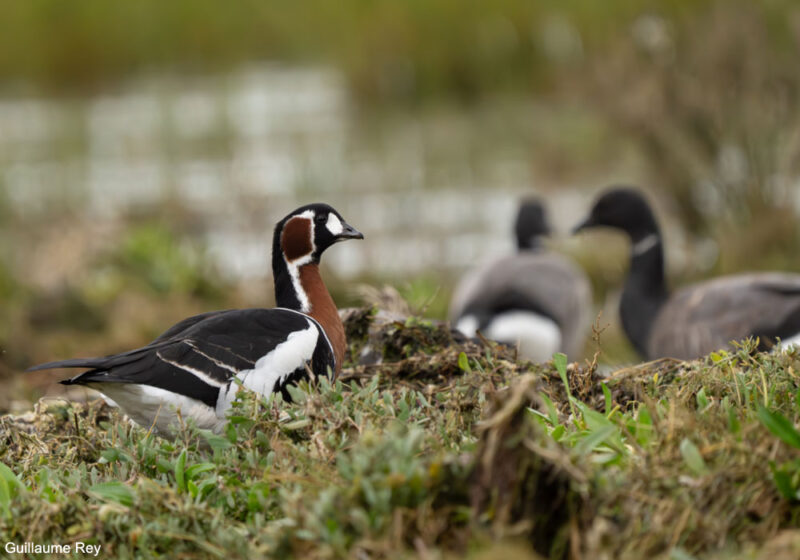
x=558 y=433
x=702 y=399
x=595 y=438
x=783 y=481
x=180 y=471
x=10 y=486
x=205 y=486
x=560 y=363
x=540 y=417
x=217 y=442
x=606 y=456
x=693 y=458
x=257 y=496
x=113 y=492
x=15 y=485
x=596 y=421
x=734 y=426
x=298 y=395
x=5 y=498
x=552 y=411
x=199 y=468
x=463 y=363
x=297 y=424
x=643 y=426
x=608 y=398
x=780 y=426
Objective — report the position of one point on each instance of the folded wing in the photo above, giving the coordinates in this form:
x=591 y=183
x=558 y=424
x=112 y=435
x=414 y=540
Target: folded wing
x=706 y=317
x=198 y=357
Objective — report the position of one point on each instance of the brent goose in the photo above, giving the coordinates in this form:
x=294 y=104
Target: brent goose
x=191 y=367
x=536 y=300
x=697 y=319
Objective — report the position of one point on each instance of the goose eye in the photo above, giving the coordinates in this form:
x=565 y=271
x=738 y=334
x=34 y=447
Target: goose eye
x=320 y=218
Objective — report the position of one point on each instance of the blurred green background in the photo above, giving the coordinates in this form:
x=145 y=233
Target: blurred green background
x=147 y=148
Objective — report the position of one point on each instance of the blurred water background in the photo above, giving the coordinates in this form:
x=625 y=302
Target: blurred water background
x=146 y=150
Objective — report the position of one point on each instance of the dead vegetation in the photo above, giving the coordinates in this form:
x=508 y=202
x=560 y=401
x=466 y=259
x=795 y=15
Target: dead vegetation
x=439 y=447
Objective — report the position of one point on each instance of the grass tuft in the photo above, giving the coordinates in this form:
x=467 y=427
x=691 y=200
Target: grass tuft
x=439 y=447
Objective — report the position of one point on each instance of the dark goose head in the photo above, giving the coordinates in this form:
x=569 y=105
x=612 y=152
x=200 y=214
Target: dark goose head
x=531 y=224
x=298 y=243
x=625 y=209
x=645 y=290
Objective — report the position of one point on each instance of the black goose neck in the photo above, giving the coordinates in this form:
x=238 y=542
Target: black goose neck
x=645 y=289
x=286 y=294
x=530 y=245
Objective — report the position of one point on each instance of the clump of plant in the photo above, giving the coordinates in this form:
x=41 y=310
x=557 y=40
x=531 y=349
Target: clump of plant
x=668 y=459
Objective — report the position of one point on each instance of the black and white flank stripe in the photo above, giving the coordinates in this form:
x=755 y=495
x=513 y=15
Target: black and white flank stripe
x=192 y=366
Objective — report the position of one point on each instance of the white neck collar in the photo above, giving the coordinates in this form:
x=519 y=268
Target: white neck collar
x=644 y=245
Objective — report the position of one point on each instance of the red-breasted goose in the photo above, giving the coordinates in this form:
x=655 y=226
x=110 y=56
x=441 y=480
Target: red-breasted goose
x=191 y=366
x=700 y=318
x=535 y=300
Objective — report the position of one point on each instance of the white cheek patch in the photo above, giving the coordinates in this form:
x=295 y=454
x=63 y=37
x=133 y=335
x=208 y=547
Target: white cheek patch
x=334 y=224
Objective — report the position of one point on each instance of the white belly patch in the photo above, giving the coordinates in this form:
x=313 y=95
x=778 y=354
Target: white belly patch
x=536 y=336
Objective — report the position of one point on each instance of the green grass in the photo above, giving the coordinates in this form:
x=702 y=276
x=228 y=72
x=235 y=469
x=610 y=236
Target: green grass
x=388 y=51
x=442 y=448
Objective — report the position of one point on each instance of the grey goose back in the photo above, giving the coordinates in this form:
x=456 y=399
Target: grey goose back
x=700 y=318
x=535 y=300
x=195 y=368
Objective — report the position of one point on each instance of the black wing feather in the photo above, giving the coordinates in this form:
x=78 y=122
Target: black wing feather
x=181 y=326
x=201 y=354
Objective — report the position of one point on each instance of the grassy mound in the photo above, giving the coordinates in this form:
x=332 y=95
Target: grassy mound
x=432 y=447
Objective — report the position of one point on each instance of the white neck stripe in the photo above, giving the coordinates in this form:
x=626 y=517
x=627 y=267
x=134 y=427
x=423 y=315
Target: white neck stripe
x=294 y=273
x=644 y=245
x=293 y=266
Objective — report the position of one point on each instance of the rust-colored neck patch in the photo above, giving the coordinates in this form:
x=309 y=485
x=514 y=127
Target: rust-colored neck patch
x=296 y=238
x=323 y=309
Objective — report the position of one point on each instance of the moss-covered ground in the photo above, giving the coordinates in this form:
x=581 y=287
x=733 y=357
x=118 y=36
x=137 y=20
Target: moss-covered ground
x=442 y=449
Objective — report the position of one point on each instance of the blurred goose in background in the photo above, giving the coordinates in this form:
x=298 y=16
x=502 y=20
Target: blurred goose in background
x=700 y=318
x=535 y=300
